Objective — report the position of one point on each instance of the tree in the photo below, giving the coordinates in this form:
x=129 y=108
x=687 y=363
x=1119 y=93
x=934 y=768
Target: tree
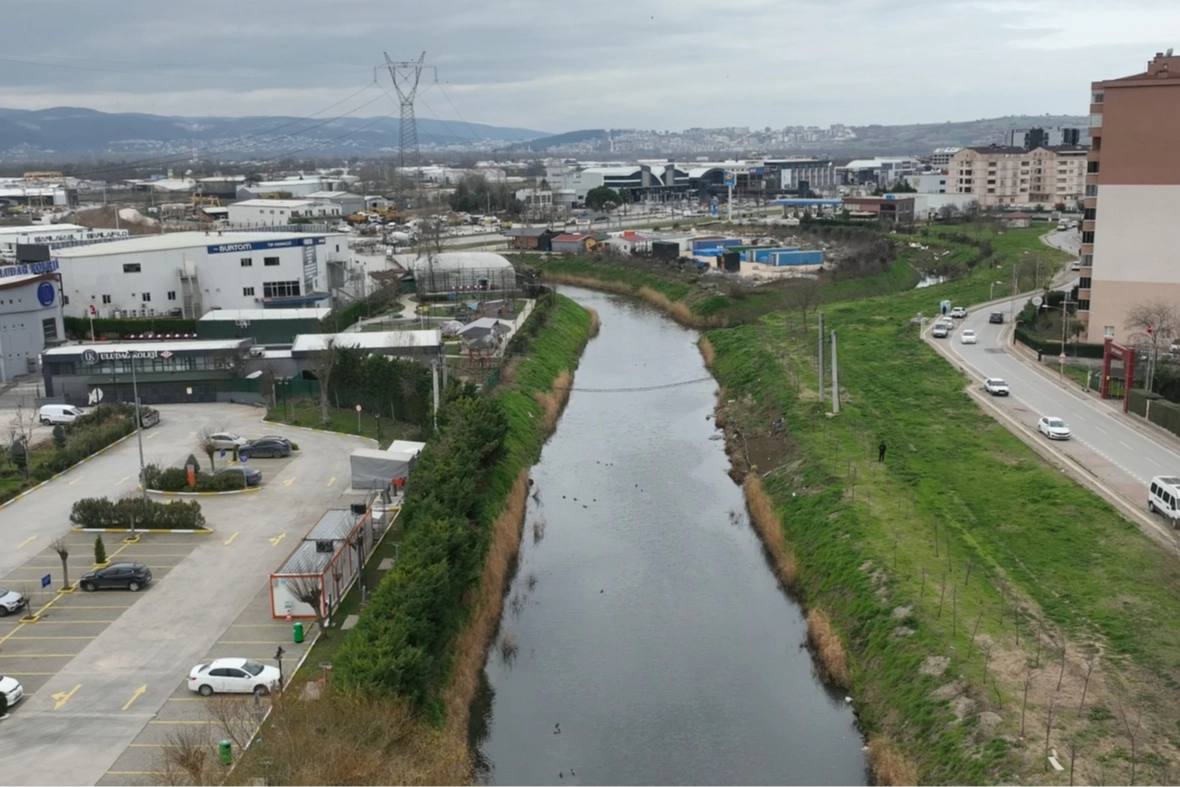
x=602 y=198
x=322 y=363
x=100 y=551
x=804 y=294
x=207 y=445
x=62 y=549
x=310 y=592
x=1150 y=323
x=59 y=436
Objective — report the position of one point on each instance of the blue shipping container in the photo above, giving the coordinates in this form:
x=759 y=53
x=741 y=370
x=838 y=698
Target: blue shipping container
x=709 y=243
x=766 y=255
x=815 y=257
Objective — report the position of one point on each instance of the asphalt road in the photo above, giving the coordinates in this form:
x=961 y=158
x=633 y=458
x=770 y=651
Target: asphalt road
x=96 y=697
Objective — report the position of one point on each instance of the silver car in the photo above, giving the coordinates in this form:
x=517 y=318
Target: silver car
x=11 y=601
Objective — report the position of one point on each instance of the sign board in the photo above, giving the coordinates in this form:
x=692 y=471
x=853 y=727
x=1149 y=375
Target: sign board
x=95 y=396
x=28 y=268
x=45 y=581
x=1037 y=301
x=358 y=408
x=730 y=179
x=222 y=453
x=91 y=357
x=229 y=248
x=93 y=311
x=46 y=293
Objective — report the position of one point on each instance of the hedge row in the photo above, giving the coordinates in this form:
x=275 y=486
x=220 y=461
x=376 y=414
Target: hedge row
x=79 y=327
x=400 y=645
x=101 y=512
x=1053 y=348
x=175 y=479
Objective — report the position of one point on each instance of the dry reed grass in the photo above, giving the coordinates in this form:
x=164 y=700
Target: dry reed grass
x=889 y=767
x=706 y=348
x=554 y=401
x=589 y=283
x=830 y=656
x=595 y=321
x=770 y=530
x=678 y=311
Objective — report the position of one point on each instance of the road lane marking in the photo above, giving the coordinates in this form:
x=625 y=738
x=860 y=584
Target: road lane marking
x=274 y=542
x=331 y=480
x=14 y=639
x=230 y=540
x=288 y=482
x=76 y=480
x=1099 y=429
x=63 y=697
x=135 y=695
x=153 y=435
x=34 y=538
x=1124 y=445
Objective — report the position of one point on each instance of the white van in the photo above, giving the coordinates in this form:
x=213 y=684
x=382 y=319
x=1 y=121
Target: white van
x=1163 y=497
x=59 y=413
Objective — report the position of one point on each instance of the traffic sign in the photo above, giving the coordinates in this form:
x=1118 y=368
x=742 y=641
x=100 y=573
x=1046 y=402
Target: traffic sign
x=95 y=396
x=1037 y=301
x=45 y=581
x=222 y=453
x=358 y=408
x=93 y=311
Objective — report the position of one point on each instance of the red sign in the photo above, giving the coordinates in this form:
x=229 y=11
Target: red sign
x=93 y=311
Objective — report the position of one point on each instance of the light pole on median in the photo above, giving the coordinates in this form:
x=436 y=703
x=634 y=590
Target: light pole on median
x=138 y=428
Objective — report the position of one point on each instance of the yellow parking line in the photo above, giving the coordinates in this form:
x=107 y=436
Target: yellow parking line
x=331 y=480
x=121 y=480
x=288 y=482
x=248 y=642
x=153 y=435
x=76 y=480
x=34 y=538
x=230 y=540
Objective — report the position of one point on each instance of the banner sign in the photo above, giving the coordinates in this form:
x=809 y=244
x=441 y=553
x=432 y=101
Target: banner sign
x=261 y=245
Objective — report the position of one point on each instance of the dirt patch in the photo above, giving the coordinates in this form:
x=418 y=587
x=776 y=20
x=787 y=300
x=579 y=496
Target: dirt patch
x=934 y=665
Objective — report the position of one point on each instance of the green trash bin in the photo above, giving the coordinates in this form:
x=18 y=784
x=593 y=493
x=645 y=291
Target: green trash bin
x=298 y=629
x=225 y=751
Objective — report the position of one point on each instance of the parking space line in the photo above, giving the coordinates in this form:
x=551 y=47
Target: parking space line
x=37 y=655
x=274 y=542
x=288 y=482
x=250 y=642
x=30 y=674
x=121 y=480
x=14 y=639
x=26 y=541
x=152 y=436
x=230 y=540
x=331 y=480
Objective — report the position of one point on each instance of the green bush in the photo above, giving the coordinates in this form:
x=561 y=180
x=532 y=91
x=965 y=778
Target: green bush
x=101 y=512
x=1049 y=347
x=175 y=479
x=79 y=327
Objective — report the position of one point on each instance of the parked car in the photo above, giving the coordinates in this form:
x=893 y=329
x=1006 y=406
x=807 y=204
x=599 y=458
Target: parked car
x=1077 y=266
x=1053 y=428
x=958 y=312
x=59 y=413
x=996 y=318
x=286 y=440
x=148 y=417
x=251 y=475
x=995 y=386
x=967 y=337
x=940 y=330
x=233 y=676
x=11 y=601
x=264 y=446
x=128 y=576
x=11 y=689
x=227 y=440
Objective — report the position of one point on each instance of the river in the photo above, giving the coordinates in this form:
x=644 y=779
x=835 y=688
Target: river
x=648 y=626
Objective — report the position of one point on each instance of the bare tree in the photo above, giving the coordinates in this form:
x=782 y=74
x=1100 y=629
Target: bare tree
x=62 y=549
x=1150 y=323
x=206 y=443
x=22 y=424
x=322 y=363
x=804 y=296
x=1131 y=734
x=310 y=592
x=187 y=758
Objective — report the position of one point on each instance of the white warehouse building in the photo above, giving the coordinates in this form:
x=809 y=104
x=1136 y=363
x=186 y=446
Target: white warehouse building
x=455 y=273
x=191 y=273
x=279 y=212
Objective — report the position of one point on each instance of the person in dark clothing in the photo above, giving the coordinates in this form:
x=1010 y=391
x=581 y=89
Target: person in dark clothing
x=881 y=452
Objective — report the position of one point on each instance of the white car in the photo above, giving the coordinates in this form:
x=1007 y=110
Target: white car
x=995 y=386
x=959 y=312
x=967 y=337
x=227 y=440
x=10 y=601
x=11 y=689
x=233 y=676
x=1053 y=428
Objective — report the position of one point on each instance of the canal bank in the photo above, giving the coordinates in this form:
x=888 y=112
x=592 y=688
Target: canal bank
x=645 y=637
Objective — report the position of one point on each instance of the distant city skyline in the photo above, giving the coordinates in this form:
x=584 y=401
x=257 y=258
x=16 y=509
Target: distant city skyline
x=656 y=64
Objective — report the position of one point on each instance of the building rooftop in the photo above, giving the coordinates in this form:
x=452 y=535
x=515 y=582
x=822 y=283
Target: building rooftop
x=1010 y=150
x=274 y=203
x=374 y=340
x=336 y=523
x=177 y=240
x=569 y=238
x=333 y=195
x=314 y=313
x=183 y=345
x=25 y=229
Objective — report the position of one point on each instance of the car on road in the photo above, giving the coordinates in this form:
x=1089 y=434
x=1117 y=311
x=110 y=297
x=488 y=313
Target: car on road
x=227 y=440
x=233 y=676
x=995 y=386
x=252 y=476
x=968 y=337
x=286 y=440
x=126 y=576
x=1053 y=428
x=59 y=414
x=996 y=318
x=11 y=689
x=940 y=330
x=958 y=312
x=1163 y=497
x=265 y=447
x=1077 y=266
x=11 y=601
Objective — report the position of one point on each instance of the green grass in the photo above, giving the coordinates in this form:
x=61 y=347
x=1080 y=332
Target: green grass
x=1024 y=527
x=306 y=413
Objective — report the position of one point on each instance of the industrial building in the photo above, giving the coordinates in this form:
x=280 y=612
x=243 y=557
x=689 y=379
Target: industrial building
x=52 y=235
x=30 y=319
x=268 y=327
x=883 y=171
x=38 y=190
x=887 y=210
x=401 y=344
x=455 y=273
x=296 y=186
x=1129 y=231
x=281 y=212
x=189 y=273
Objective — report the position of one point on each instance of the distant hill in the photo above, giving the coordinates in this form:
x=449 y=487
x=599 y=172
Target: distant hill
x=73 y=131
x=920 y=137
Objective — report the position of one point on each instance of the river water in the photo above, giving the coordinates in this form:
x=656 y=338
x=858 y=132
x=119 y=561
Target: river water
x=647 y=622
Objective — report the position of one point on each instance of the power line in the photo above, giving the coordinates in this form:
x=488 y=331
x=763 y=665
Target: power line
x=639 y=388
x=474 y=133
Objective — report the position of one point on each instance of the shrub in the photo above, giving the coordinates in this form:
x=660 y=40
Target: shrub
x=100 y=551
x=175 y=479
x=101 y=512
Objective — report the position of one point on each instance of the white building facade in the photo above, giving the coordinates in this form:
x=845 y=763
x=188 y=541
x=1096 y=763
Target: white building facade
x=30 y=318
x=191 y=273
x=50 y=235
x=280 y=212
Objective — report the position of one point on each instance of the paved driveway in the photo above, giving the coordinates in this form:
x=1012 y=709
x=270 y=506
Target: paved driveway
x=82 y=718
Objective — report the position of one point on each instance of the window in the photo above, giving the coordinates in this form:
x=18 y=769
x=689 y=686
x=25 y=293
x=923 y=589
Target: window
x=147 y=296
x=1092 y=190
x=49 y=329
x=65 y=300
x=1084 y=283
x=247 y=262
x=1096 y=97
x=171 y=295
x=1087 y=260
x=131 y=267
x=247 y=291
x=1088 y=236
x=1088 y=214
x=1096 y=120
x=280 y=289
x=106 y=299
x=1084 y=305
x=1108 y=331
x=270 y=260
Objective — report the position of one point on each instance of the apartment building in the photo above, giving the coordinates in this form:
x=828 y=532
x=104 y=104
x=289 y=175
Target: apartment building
x=1004 y=175
x=1129 y=231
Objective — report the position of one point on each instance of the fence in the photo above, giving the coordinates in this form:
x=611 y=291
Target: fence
x=1049 y=347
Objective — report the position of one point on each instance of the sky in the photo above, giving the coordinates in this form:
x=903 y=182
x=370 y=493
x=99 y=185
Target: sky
x=558 y=65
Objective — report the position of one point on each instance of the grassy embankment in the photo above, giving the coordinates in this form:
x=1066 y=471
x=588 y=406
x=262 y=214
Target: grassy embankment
x=987 y=607
x=306 y=413
x=421 y=730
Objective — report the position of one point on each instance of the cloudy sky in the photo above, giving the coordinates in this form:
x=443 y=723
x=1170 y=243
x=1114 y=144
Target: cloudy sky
x=559 y=65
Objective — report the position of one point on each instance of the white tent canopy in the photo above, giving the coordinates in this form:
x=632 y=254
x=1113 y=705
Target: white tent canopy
x=375 y=469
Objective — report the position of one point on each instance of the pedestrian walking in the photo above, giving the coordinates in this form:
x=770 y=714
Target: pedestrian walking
x=881 y=452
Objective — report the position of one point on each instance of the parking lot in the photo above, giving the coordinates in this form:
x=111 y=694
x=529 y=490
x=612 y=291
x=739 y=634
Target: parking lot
x=109 y=669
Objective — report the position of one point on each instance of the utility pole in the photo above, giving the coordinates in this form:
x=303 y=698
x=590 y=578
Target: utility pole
x=405 y=75
x=821 y=358
x=835 y=379
x=434 y=377
x=138 y=429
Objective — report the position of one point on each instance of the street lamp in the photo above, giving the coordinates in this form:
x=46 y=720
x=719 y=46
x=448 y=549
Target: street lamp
x=992 y=293
x=1064 y=307
x=279 y=658
x=138 y=429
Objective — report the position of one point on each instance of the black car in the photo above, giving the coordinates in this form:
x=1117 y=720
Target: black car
x=265 y=446
x=996 y=318
x=131 y=576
